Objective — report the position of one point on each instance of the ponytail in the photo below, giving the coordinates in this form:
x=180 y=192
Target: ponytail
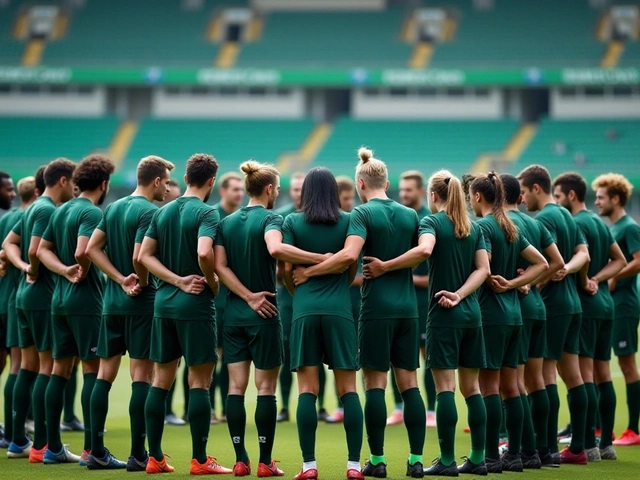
x=492 y=190
x=449 y=189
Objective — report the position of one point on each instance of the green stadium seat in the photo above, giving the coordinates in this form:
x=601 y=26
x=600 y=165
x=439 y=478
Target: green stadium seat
x=10 y=49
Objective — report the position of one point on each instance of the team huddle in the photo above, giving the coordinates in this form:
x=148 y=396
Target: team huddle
x=503 y=304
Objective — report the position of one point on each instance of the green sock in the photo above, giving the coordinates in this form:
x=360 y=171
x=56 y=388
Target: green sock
x=633 y=403
x=168 y=403
x=322 y=383
x=154 y=413
x=199 y=422
x=375 y=420
x=540 y=417
x=237 y=422
x=99 y=407
x=592 y=408
x=446 y=421
x=185 y=389
x=503 y=423
x=307 y=420
x=552 y=423
x=607 y=407
x=493 y=405
x=415 y=418
x=339 y=401
x=513 y=420
x=477 y=420
x=21 y=404
x=265 y=418
x=8 y=405
x=430 y=388
x=138 y=426
x=89 y=381
x=54 y=401
x=39 y=412
x=397 y=396
x=286 y=379
x=353 y=424
x=528 y=434
x=212 y=389
x=223 y=384
x=578 y=415
x=70 y=397
x=376 y=459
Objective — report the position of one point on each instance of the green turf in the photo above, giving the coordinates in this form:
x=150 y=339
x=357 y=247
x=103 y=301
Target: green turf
x=330 y=448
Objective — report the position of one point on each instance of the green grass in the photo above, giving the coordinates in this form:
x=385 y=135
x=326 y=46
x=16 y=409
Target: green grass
x=330 y=448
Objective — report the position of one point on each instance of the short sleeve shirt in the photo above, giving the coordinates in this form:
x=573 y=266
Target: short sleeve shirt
x=9 y=283
x=221 y=298
x=627 y=233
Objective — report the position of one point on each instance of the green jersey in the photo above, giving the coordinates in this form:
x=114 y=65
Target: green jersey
x=221 y=298
x=329 y=294
x=34 y=222
x=77 y=218
x=561 y=298
x=627 y=233
x=599 y=240
x=422 y=294
x=124 y=224
x=389 y=230
x=531 y=305
x=284 y=298
x=177 y=227
x=9 y=283
x=501 y=308
x=242 y=236
x=450 y=264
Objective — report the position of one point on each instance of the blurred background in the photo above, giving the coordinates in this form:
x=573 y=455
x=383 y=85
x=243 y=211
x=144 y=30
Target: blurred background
x=469 y=85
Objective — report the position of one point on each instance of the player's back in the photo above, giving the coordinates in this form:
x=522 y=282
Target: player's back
x=9 y=283
x=626 y=232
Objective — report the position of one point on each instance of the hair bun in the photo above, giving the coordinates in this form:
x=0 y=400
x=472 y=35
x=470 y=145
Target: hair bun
x=491 y=175
x=250 y=167
x=365 y=154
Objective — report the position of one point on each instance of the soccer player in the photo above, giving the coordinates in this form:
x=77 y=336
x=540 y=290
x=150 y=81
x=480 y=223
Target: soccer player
x=29 y=189
x=607 y=260
x=178 y=250
x=174 y=192
x=501 y=318
x=563 y=307
x=77 y=299
x=231 y=195
x=459 y=265
x=127 y=311
x=388 y=327
x=323 y=327
x=33 y=304
x=7 y=191
x=535 y=401
x=613 y=191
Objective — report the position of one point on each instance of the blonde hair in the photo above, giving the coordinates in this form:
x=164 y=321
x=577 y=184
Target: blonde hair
x=344 y=184
x=413 y=175
x=257 y=176
x=449 y=189
x=615 y=184
x=26 y=188
x=225 y=178
x=152 y=167
x=371 y=170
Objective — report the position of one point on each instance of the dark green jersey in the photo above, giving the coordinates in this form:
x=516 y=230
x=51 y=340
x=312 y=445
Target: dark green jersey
x=125 y=223
x=627 y=233
x=9 y=283
x=242 y=236
x=422 y=294
x=177 y=227
x=76 y=218
x=561 y=298
x=284 y=298
x=501 y=308
x=531 y=305
x=221 y=298
x=450 y=264
x=389 y=230
x=34 y=222
x=599 y=241
x=329 y=294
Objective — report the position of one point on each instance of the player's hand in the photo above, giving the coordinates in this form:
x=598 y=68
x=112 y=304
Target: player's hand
x=3 y=269
x=592 y=287
x=373 y=268
x=191 y=284
x=499 y=284
x=300 y=276
x=263 y=307
x=448 y=299
x=525 y=289
x=612 y=284
x=130 y=285
x=72 y=273
x=560 y=274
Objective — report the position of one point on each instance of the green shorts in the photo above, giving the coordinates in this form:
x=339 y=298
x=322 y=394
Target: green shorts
x=625 y=336
x=120 y=334
x=422 y=327
x=13 y=328
x=220 y=326
x=194 y=339
x=502 y=345
x=329 y=339
x=595 y=338
x=533 y=340
x=389 y=342
x=75 y=336
x=451 y=347
x=563 y=335
x=34 y=329
x=261 y=344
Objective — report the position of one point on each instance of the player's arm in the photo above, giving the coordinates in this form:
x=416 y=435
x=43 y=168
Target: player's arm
x=616 y=264
x=353 y=272
x=95 y=252
x=337 y=263
x=631 y=269
x=555 y=261
x=421 y=281
x=474 y=281
x=206 y=263
x=289 y=253
x=287 y=269
x=537 y=266
x=579 y=259
x=11 y=247
x=141 y=270
x=81 y=255
x=409 y=259
x=49 y=258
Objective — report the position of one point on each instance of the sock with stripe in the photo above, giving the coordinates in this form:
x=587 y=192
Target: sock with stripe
x=375 y=420
x=415 y=418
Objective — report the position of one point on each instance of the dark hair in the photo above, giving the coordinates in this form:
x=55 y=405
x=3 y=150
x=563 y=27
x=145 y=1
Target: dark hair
x=40 y=185
x=491 y=189
x=4 y=176
x=536 y=175
x=173 y=182
x=92 y=171
x=258 y=176
x=572 y=181
x=511 y=187
x=226 y=178
x=201 y=168
x=320 y=200
x=58 y=168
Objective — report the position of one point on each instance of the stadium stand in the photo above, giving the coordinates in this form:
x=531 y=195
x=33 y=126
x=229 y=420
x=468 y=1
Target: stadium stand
x=631 y=55
x=10 y=48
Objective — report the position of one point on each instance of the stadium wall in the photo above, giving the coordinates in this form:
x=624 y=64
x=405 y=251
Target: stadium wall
x=47 y=101
x=623 y=102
